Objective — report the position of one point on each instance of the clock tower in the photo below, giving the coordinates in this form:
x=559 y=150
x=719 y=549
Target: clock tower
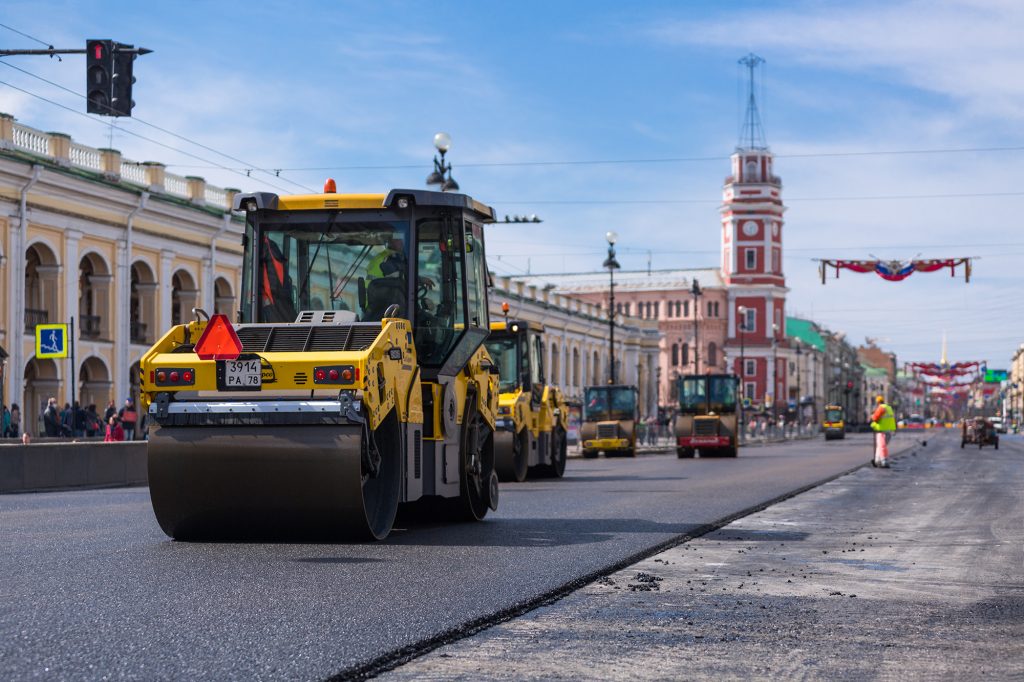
x=751 y=265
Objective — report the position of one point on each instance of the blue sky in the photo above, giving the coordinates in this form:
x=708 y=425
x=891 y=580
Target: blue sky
x=331 y=86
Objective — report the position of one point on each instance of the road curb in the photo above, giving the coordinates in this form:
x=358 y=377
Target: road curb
x=394 y=659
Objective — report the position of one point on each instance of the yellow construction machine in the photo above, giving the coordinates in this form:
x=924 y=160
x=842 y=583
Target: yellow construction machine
x=532 y=417
x=355 y=380
x=707 y=420
x=610 y=417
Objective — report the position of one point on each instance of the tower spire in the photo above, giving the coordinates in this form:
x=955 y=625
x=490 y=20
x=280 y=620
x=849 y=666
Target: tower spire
x=945 y=360
x=752 y=132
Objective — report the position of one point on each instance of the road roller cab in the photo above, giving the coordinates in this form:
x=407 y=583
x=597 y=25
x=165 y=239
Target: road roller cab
x=834 y=424
x=610 y=416
x=707 y=415
x=532 y=419
x=355 y=379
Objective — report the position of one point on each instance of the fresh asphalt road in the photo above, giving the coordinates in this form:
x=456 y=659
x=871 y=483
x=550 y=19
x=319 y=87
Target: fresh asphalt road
x=92 y=588
x=908 y=573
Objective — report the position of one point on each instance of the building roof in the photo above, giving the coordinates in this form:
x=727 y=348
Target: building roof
x=806 y=331
x=627 y=280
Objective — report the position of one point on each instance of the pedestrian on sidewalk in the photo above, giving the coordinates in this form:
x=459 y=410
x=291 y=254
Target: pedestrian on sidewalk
x=51 y=419
x=14 y=428
x=883 y=423
x=128 y=417
x=115 y=434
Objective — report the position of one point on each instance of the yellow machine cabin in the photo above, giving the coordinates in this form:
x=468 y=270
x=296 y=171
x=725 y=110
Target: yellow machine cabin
x=707 y=420
x=610 y=416
x=532 y=417
x=834 y=424
x=355 y=380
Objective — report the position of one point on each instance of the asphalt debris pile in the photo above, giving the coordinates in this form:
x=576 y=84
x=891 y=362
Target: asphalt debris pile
x=645 y=582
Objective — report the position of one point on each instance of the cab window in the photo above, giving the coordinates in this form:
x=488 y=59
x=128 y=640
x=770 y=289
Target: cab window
x=440 y=317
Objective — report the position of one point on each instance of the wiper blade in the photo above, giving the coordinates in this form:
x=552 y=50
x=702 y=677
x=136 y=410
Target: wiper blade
x=316 y=254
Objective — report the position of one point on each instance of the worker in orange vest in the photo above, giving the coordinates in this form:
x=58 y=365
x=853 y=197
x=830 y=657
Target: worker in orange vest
x=883 y=423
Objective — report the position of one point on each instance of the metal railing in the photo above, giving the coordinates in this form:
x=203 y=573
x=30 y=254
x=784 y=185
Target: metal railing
x=34 y=317
x=90 y=326
x=139 y=332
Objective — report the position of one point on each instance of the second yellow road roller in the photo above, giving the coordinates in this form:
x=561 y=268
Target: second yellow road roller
x=355 y=379
x=532 y=416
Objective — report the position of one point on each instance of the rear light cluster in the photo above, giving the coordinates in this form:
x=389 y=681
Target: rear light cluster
x=335 y=374
x=173 y=376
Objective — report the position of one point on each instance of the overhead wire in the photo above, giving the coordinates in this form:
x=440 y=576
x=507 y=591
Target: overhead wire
x=129 y=132
x=668 y=160
x=247 y=170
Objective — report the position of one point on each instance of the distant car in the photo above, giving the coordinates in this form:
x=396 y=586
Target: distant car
x=915 y=421
x=999 y=424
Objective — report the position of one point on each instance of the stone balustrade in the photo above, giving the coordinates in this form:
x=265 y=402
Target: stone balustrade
x=60 y=149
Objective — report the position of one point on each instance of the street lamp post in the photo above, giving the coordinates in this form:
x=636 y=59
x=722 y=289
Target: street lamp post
x=442 y=174
x=743 y=367
x=799 y=400
x=612 y=266
x=696 y=291
x=775 y=374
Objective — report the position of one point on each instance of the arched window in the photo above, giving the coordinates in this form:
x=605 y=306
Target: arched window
x=575 y=366
x=686 y=308
x=675 y=354
x=686 y=354
x=712 y=354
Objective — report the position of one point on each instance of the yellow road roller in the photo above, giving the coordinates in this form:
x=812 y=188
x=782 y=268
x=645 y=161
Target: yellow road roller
x=610 y=416
x=354 y=381
x=532 y=417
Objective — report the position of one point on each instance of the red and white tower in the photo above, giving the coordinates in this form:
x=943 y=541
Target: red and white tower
x=752 y=261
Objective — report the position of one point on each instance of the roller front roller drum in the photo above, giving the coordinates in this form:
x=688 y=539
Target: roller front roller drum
x=273 y=482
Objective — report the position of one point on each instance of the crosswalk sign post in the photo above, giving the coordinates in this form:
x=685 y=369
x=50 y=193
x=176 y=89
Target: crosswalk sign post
x=58 y=341
x=51 y=341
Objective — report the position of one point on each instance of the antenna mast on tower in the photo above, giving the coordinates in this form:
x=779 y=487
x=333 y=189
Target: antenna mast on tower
x=752 y=132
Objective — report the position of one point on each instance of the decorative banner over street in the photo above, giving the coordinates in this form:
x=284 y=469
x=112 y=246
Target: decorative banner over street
x=895 y=270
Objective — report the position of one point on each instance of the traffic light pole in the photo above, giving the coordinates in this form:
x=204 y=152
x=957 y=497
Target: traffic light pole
x=53 y=52
x=108 y=70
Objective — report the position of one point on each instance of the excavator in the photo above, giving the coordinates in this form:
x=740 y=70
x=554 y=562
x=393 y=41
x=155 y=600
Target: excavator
x=532 y=417
x=354 y=382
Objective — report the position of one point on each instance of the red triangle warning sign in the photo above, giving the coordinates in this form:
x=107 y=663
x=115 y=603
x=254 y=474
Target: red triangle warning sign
x=219 y=341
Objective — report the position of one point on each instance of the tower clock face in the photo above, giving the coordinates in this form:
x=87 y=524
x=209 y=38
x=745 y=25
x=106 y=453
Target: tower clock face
x=750 y=228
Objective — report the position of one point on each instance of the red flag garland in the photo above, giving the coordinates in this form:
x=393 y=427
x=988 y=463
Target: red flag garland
x=895 y=270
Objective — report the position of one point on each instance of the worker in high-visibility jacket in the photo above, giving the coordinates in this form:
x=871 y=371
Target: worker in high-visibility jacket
x=883 y=423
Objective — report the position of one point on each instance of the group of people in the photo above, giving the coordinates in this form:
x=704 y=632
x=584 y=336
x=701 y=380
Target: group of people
x=650 y=430
x=75 y=421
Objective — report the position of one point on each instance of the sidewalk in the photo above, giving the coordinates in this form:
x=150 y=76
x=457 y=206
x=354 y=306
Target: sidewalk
x=906 y=573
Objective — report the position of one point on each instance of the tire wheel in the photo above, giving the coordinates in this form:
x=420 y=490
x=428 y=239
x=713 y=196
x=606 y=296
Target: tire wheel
x=730 y=452
x=590 y=454
x=517 y=469
x=476 y=467
x=685 y=453
x=962 y=444
x=559 y=453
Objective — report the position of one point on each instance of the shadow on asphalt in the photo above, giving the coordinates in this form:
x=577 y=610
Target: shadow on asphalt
x=500 y=532
x=604 y=479
x=336 y=560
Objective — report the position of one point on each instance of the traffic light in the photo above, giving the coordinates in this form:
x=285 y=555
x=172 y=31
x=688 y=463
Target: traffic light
x=849 y=386
x=99 y=67
x=121 y=102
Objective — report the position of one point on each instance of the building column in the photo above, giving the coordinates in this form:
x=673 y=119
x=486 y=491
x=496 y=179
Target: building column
x=71 y=242
x=163 y=302
x=101 y=304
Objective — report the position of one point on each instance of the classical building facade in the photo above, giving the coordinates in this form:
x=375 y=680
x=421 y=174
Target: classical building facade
x=576 y=340
x=126 y=249
x=692 y=328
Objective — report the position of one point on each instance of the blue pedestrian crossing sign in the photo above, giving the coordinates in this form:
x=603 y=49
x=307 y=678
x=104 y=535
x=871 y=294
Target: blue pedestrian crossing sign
x=51 y=341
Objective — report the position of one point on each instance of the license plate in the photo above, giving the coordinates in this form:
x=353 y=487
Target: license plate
x=241 y=375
